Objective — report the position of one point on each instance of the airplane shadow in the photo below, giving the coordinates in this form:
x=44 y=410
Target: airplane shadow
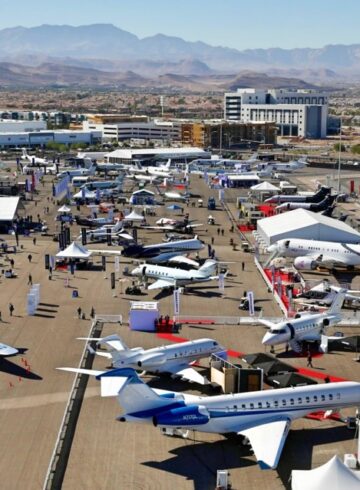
x=9 y=367
x=199 y=461
x=50 y=305
x=299 y=455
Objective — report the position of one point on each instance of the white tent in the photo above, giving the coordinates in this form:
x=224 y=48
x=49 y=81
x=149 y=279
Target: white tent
x=8 y=208
x=85 y=194
x=333 y=475
x=64 y=209
x=74 y=251
x=133 y=216
x=265 y=187
x=301 y=223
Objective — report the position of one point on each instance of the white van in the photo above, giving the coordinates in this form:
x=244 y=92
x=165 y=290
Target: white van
x=80 y=181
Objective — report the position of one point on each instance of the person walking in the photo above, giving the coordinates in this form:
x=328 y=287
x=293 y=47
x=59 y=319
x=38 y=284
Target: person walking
x=243 y=266
x=30 y=280
x=0 y=316
x=79 y=311
x=212 y=240
x=29 y=258
x=92 y=312
x=12 y=263
x=218 y=231
x=34 y=241
x=309 y=359
x=11 y=309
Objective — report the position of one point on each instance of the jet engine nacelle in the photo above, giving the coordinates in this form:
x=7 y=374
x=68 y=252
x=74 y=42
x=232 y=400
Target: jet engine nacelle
x=183 y=416
x=304 y=263
x=151 y=360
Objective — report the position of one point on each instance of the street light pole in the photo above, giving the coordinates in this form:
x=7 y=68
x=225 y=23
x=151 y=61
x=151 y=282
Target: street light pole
x=339 y=164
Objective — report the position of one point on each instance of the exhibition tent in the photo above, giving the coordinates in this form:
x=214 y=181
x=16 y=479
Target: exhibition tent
x=333 y=475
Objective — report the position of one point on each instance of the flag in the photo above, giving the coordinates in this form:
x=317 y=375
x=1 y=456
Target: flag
x=221 y=282
x=176 y=298
x=250 y=298
x=117 y=263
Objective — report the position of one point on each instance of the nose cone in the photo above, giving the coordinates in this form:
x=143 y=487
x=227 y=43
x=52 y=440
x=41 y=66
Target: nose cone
x=135 y=272
x=269 y=339
x=272 y=248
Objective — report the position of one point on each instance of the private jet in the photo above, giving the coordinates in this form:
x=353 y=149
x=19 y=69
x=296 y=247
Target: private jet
x=175 y=359
x=263 y=418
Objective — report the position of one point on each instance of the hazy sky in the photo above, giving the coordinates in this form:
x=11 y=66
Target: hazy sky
x=235 y=23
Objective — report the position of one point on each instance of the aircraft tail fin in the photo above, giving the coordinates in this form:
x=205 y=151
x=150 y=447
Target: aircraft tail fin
x=168 y=163
x=134 y=396
x=338 y=302
x=113 y=343
x=208 y=267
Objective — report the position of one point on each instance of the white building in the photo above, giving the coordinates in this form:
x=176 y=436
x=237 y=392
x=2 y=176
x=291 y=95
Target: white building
x=295 y=112
x=13 y=126
x=140 y=130
x=151 y=155
x=40 y=138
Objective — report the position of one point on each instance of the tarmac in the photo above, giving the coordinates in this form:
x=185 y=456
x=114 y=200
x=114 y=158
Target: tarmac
x=108 y=454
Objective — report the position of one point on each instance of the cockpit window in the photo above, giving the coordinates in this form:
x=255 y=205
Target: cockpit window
x=276 y=331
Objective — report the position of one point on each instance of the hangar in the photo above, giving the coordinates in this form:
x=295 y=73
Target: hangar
x=301 y=223
x=9 y=207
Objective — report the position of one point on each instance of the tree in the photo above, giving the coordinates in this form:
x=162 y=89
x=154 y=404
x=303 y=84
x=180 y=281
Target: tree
x=355 y=149
x=337 y=147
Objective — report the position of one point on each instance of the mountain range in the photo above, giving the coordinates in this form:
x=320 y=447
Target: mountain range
x=107 y=55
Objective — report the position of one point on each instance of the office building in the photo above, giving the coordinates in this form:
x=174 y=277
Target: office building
x=301 y=113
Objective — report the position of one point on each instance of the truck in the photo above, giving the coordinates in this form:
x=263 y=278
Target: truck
x=211 y=205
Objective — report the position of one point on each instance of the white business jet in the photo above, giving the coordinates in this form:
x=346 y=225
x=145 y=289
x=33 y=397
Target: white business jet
x=310 y=254
x=171 y=277
x=262 y=417
x=174 y=359
x=304 y=327
x=32 y=159
x=7 y=350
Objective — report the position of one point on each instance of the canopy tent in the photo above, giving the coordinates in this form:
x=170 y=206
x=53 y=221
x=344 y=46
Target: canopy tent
x=265 y=187
x=64 y=209
x=85 y=193
x=74 y=251
x=302 y=223
x=8 y=208
x=333 y=475
x=134 y=216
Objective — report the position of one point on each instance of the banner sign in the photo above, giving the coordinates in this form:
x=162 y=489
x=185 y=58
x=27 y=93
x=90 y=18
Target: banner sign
x=176 y=298
x=250 y=298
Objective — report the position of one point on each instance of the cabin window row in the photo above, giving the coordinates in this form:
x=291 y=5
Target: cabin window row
x=287 y=401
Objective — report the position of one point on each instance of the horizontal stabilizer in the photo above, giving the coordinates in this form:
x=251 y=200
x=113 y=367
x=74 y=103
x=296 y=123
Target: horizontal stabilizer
x=267 y=441
x=192 y=375
x=90 y=372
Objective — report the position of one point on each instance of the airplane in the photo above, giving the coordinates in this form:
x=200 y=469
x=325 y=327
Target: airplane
x=262 y=417
x=7 y=350
x=304 y=327
x=33 y=159
x=311 y=206
x=172 y=277
x=324 y=293
x=310 y=254
x=175 y=196
x=93 y=222
x=175 y=359
x=116 y=231
x=315 y=197
x=162 y=171
x=288 y=167
x=178 y=226
x=162 y=252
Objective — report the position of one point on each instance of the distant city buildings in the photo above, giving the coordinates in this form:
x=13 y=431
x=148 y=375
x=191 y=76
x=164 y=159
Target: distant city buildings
x=301 y=113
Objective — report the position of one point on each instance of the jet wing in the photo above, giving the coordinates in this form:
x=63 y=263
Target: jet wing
x=180 y=259
x=90 y=372
x=267 y=441
x=162 y=283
